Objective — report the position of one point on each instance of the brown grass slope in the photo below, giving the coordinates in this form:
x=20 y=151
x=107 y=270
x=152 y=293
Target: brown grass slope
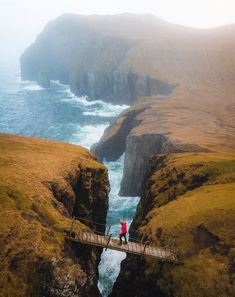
x=41 y=184
x=188 y=199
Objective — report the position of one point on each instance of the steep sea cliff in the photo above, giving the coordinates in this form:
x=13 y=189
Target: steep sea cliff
x=43 y=184
x=91 y=63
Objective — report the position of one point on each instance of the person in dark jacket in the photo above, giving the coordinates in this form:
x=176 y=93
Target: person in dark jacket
x=123 y=231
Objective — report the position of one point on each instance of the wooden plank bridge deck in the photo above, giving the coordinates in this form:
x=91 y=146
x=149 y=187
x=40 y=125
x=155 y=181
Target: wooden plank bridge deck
x=136 y=248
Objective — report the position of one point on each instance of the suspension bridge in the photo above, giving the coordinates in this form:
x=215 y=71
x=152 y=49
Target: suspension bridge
x=107 y=241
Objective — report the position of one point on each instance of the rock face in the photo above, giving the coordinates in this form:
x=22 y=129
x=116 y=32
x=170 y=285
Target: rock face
x=138 y=132
x=138 y=151
x=42 y=185
x=123 y=57
x=187 y=199
x=71 y=50
x=112 y=144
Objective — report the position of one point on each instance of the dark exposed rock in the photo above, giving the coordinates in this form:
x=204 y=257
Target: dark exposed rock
x=112 y=148
x=84 y=196
x=138 y=151
x=135 y=284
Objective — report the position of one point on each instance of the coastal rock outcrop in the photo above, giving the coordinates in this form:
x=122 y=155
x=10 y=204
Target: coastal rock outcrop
x=187 y=200
x=92 y=63
x=43 y=184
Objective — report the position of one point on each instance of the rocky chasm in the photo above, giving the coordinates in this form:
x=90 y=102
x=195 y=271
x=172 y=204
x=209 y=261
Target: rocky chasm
x=180 y=84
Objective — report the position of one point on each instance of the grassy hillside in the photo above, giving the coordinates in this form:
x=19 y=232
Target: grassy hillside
x=187 y=199
x=41 y=185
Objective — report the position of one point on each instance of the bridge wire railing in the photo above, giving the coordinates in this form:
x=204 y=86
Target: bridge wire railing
x=134 y=240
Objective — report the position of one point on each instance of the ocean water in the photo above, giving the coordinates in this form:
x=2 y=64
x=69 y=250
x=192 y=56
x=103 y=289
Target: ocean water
x=57 y=114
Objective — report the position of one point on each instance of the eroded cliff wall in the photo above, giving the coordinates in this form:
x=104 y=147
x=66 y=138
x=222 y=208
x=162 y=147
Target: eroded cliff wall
x=42 y=185
x=140 y=133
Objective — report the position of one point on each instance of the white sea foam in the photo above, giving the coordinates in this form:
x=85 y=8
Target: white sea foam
x=91 y=108
x=57 y=82
x=88 y=135
x=105 y=105
x=29 y=85
x=108 y=270
x=82 y=100
x=102 y=113
x=33 y=87
x=105 y=110
x=97 y=107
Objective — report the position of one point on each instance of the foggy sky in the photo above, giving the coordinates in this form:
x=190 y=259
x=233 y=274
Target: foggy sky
x=22 y=20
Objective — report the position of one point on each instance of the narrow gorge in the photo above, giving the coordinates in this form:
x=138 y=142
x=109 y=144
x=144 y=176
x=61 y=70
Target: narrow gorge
x=154 y=102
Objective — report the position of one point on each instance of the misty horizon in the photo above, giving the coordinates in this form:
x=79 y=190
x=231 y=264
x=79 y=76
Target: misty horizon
x=22 y=21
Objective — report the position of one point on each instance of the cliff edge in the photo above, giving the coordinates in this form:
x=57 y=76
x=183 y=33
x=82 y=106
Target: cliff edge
x=42 y=185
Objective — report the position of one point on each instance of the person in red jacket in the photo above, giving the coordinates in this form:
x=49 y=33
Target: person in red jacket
x=123 y=232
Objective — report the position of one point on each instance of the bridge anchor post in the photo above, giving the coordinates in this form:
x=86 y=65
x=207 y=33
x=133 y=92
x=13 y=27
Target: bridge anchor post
x=145 y=245
x=109 y=238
